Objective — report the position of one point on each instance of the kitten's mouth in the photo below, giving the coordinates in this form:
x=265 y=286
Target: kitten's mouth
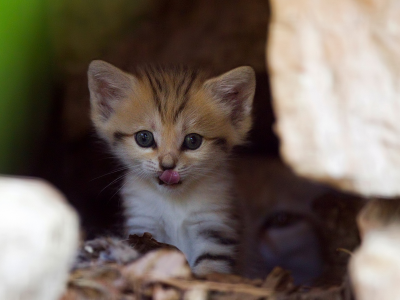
x=160 y=182
x=169 y=177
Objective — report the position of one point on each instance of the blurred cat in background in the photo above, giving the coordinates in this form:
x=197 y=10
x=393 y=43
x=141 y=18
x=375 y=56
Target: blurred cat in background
x=280 y=228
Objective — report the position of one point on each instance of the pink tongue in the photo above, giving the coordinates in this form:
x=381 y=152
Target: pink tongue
x=170 y=177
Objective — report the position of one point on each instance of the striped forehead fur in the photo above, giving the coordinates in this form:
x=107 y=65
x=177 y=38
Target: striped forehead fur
x=171 y=87
x=170 y=100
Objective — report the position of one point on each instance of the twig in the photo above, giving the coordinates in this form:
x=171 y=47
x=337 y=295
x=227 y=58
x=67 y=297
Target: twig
x=345 y=251
x=215 y=286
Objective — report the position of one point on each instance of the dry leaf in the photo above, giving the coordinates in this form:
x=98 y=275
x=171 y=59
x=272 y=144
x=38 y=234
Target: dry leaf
x=159 y=264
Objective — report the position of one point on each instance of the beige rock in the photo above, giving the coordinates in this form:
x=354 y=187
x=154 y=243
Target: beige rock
x=39 y=235
x=335 y=75
x=379 y=214
x=375 y=266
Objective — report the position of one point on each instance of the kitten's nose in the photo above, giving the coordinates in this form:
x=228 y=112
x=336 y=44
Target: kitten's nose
x=167 y=162
x=167 y=167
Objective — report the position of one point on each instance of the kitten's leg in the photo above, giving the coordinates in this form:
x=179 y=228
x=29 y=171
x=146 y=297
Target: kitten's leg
x=213 y=247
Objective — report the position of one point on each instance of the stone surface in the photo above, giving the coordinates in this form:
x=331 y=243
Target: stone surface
x=379 y=214
x=375 y=266
x=39 y=235
x=335 y=74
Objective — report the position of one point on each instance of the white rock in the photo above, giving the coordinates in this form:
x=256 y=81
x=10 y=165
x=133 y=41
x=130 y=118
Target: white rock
x=335 y=75
x=379 y=214
x=375 y=266
x=38 y=239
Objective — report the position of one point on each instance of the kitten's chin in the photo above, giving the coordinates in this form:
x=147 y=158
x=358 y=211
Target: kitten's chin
x=175 y=188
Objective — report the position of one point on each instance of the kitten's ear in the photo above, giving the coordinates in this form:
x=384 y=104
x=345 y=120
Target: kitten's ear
x=234 y=90
x=108 y=86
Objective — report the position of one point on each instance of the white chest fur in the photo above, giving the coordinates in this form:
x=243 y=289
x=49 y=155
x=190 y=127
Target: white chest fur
x=180 y=219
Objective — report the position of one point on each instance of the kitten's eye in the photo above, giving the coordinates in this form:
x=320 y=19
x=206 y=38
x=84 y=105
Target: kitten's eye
x=192 y=141
x=144 y=139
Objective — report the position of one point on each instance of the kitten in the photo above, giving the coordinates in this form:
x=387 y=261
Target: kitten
x=174 y=130
x=280 y=227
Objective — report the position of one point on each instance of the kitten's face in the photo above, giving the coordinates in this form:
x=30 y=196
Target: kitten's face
x=171 y=128
x=192 y=144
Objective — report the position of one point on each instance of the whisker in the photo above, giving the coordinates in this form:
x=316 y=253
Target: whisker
x=115 y=180
x=122 y=186
x=112 y=172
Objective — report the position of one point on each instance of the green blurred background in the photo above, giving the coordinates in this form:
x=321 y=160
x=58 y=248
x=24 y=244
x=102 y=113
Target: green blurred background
x=40 y=42
x=25 y=76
